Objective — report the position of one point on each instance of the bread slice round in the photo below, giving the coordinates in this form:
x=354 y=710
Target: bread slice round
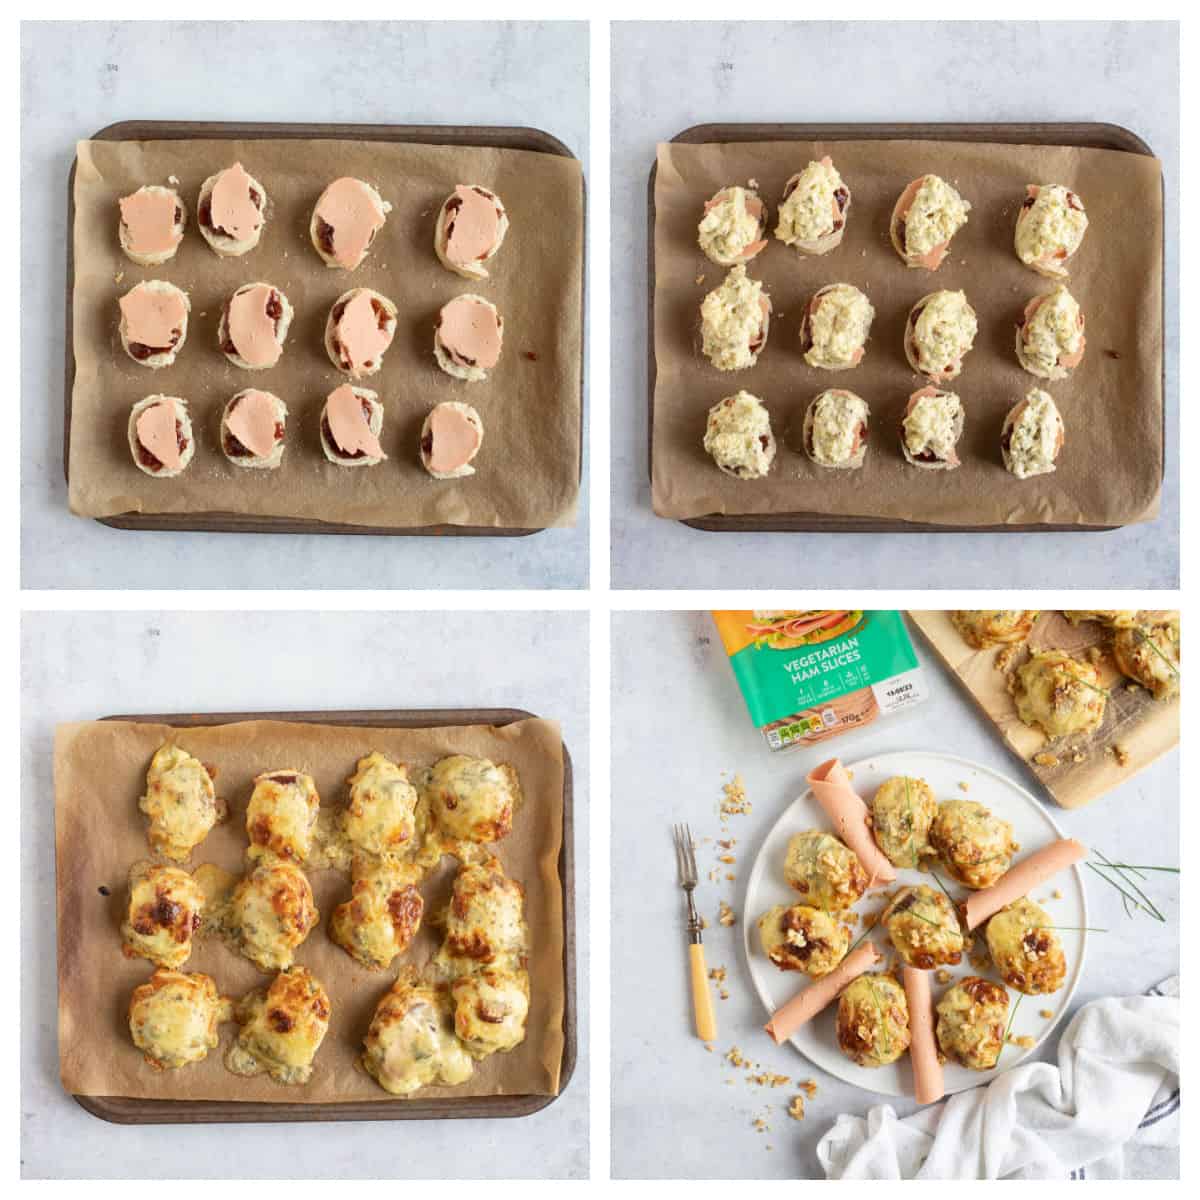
x=159 y=257
x=856 y=460
x=458 y=370
x=374 y=424
x=331 y=329
x=157 y=361
x=221 y=243
x=939 y=464
x=281 y=326
x=472 y=418
x=382 y=208
x=183 y=425
x=477 y=269
x=250 y=460
x=1011 y=418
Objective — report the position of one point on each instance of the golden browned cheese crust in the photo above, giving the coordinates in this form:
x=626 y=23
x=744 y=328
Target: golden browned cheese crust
x=872 y=1021
x=824 y=871
x=923 y=927
x=181 y=802
x=473 y=799
x=490 y=1008
x=381 y=814
x=282 y=1028
x=1059 y=694
x=1149 y=654
x=1026 y=949
x=383 y=914
x=800 y=938
x=270 y=913
x=165 y=905
x=902 y=811
x=173 y=1018
x=485 y=921
x=971 y=1020
x=983 y=627
x=975 y=846
x=282 y=815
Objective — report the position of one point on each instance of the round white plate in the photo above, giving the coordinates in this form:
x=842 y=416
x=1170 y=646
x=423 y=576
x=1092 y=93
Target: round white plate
x=1032 y=829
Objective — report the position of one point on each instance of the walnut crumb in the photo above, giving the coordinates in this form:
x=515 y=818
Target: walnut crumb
x=708 y=1047
x=963 y=786
x=796 y=1108
x=761 y=1125
x=942 y=975
x=717 y=973
x=728 y=859
x=1046 y=1013
x=1057 y=893
x=118 y=276
x=734 y=1058
x=727 y=916
x=1121 y=755
x=1024 y=1041
x=723 y=993
x=699 y=279
x=735 y=802
x=1046 y=759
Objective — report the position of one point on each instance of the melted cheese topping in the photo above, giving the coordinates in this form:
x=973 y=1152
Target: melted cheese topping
x=732 y=225
x=902 y=811
x=485 y=921
x=1054 y=332
x=809 y=211
x=975 y=846
x=180 y=801
x=411 y=1041
x=173 y=1018
x=381 y=814
x=383 y=914
x=1114 y=618
x=932 y=424
x=872 y=1021
x=801 y=938
x=924 y=927
x=738 y=436
x=971 y=1019
x=938 y=212
x=834 y=436
x=165 y=905
x=943 y=333
x=824 y=871
x=1034 y=437
x=1059 y=695
x=472 y=799
x=270 y=913
x=1149 y=654
x=1025 y=948
x=983 y=627
x=490 y=1010
x=734 y=317
x=283 y=1027
x=282 y=815
x=1050 y=231
x=838 y=323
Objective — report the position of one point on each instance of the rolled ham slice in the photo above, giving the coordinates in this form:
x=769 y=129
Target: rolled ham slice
x=848 y=814
x=927 y=1069
x=1021 y=879
x=819 y=994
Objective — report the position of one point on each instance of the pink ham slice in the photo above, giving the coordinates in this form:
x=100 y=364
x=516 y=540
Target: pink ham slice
x=350 y=210
x=233 y=209
x=149 y=218
x=252 y=329
x=348 y=423
x=156 y=431
x=470 y=332
x=800 y=626
x=152 y=317
x=358 y=331
x=927 y=1069
x=455 y=439
x=1021 y=879
x=819 y=994
x=252 y=421
x=473 y=227
x=848 y=815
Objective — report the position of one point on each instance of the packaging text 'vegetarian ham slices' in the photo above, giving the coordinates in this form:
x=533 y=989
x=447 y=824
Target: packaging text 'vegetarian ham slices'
x=811 y=675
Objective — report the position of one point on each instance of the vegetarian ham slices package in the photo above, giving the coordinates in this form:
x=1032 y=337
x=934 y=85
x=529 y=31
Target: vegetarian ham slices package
x=808 y=676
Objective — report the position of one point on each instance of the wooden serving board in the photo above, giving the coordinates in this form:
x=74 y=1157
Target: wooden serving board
x=1140 y=726
x=500 y=137
x=124 y=1110
x=1096 y=135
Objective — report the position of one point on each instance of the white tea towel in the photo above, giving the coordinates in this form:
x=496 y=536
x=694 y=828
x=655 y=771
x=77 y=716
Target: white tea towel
x=1114 y=1093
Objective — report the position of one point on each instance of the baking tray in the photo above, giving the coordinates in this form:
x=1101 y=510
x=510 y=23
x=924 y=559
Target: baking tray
x=1094 y=135
x=126 y=1110
x=502 y=137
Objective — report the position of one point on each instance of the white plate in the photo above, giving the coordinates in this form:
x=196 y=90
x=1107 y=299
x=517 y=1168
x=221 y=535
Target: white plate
x=1032 y=829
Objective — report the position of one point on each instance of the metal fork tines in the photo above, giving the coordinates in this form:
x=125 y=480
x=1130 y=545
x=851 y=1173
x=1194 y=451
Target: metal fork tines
x=685 y=857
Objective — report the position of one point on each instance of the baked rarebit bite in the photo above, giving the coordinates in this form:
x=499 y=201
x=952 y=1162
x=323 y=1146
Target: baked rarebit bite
x=282 y=1028
x=971 y=1019
x=490 y=1009
x=411 y=1042
x=484 y=922
x=974 y=844
x=383 y=914
x=165 y=906
x=232 y=211
x=160 y=436
x=1025 y=948
x=1032 y=437
x=923 y=927
x=733 y=225
x=383 y=813
x=1149 y=654
x=151 y=224
x=468 y=337
x=345 y=222
x=270 y=913
x=470 y=230
x=902 y=811
x=872 y=1021
x=1111 y=618
x=154 y=322
x=825 y=871
x=984 y=627
x=473 y=799
x=801 y=938
x=359 y=329
x=1059 y=694
x=181 y=802
x=173 y=1018
x=281 y=816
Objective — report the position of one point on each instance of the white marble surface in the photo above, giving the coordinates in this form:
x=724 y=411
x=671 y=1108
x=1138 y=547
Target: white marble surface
x=85 y=665
x=78 y=77
x=667 y=77
x=681 y=731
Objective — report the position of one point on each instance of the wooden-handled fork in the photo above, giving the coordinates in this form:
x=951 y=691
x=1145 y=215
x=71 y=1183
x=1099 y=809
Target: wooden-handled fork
x=702 y=1006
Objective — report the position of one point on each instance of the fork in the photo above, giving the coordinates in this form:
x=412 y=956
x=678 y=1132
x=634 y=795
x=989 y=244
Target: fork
x=685 y=856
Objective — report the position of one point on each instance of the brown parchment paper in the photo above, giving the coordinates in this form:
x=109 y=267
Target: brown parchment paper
x=1110 y=469
x=527 y=471
x=99 y=771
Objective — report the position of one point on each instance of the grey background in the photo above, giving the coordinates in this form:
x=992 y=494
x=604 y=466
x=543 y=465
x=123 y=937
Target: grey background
x=77 y=78
x=672 y=1114
x=669 y=76
x=79 y=666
